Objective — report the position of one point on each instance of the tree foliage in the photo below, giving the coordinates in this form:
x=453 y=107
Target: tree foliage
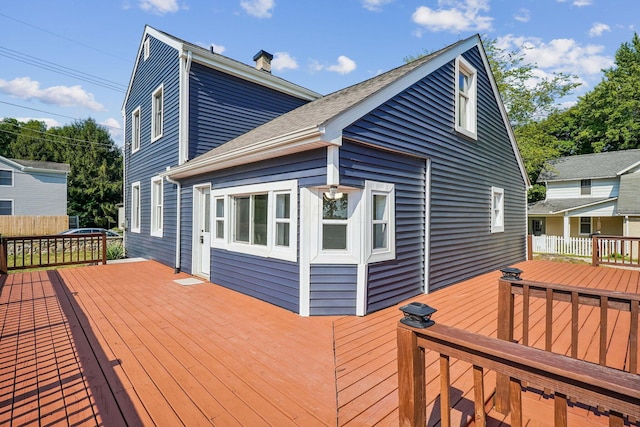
x=95 y=181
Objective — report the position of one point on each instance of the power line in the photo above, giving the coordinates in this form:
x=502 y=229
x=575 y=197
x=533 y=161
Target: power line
x=55 y=114
x=65 y=38
x=60 y=69
x=72 y=141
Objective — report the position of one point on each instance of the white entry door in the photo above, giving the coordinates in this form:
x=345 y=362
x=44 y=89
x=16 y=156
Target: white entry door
x=202 y=230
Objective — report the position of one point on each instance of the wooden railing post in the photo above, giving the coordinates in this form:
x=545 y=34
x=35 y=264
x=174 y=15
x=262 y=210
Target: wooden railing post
x=529 y=247
x=4 y=254
x=411 y=379
x=595 y=256
x=505 y=332
x=104 y=248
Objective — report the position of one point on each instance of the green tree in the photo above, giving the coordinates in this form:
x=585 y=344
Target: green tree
x=9 y=131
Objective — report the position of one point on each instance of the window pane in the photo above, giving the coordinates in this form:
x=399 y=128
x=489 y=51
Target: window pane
x=6 y=177
x=282 y=234
x=335 y=208
x=463 y=83
x=379 y=236
x=219 y=229
x=462 y=112
x=334 y=236
x=207 y=213
x=243 y=209
x=260 y=203
x=5 y=207
x=585 y=225
x=379 y=206
x=283 y=208
x=220 y=208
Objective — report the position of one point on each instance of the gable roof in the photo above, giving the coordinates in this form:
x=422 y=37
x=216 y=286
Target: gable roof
x=320 y=123
x=37 y=166
x=221 y=63
x=557 y=206
x=629 y=194
x=590 y=166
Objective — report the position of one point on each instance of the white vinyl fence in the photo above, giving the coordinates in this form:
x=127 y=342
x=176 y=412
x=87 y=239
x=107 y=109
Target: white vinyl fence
x=577 y=246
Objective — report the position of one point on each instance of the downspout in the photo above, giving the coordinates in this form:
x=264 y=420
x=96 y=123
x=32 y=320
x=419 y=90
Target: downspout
x=176 y=268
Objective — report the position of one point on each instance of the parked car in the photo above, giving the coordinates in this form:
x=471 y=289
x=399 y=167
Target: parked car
x=89 y=231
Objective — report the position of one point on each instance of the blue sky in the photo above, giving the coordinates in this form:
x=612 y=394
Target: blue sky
x=64 y=60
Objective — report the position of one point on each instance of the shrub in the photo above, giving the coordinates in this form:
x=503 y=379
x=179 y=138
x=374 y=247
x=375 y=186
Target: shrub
x=115 y=250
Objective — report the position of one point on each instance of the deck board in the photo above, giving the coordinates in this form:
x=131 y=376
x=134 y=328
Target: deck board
x=124 y=344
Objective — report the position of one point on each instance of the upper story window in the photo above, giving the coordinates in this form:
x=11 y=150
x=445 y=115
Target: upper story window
x=147 y=49
x=157 y=197
x=6 y=177
x=6 y=207
x=466 y=98
x=585 y=187
x=257 y=219
x=135 y=207
x=157 y=113
x=135 y=130
x=497 y=210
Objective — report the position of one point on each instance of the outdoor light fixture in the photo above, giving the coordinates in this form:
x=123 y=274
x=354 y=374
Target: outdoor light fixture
x=333 y=194
x=417 y=315
x=511 y=273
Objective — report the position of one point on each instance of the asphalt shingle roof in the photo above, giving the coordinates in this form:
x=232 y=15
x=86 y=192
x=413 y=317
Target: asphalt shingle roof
x=589 y=166
x=43 y=165
x=553 y=206
x=629 y=194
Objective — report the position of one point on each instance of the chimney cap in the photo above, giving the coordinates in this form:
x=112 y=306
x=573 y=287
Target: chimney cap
x=263 y=53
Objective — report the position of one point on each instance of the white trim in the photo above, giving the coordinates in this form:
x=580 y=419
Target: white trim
x=12 y=205
x=361 y=289
x=183 y=112
x=306 y=230
x=196 y=258
x=270 y=250
x=154 y=96
x=371 y=189
x=427 y=224
x=333 y=165
x=155 y=229
x=497 y=221
x=220 y=242
x=627 y=169
x=13 y=178
x=470 y=129
x=138 y=112
x=580 y=225
x=146 y=48
x=138 y=208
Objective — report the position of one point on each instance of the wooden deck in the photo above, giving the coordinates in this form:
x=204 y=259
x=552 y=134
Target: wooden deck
x=124 y=344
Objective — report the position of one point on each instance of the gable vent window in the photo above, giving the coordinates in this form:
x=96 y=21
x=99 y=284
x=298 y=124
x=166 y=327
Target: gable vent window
x=497 y=210
x=466 y=98
x=147 y=49
x=585 y=187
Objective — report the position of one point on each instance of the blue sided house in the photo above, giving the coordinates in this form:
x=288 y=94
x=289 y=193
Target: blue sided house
x=323 y=205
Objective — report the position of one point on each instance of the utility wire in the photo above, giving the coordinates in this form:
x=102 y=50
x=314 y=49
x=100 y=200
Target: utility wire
x=72 y=141
x=60 y=69
x=56 y=114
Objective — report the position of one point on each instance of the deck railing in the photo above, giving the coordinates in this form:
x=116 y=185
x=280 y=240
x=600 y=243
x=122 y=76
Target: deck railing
x=616 y=250
x=47 y=251
x=607 y=302
x=615 y=391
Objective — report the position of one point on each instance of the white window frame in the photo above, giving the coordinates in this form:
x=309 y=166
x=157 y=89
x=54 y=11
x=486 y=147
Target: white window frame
x=219 y=218
x=135 y=207
x=157 y=206
x=270 y=250
x=12 y=205
x=11 y=172
x=158 y=93
x=373 y=188
x=470 y=110
x=586 y=187
x=146 y=49
x=580 y=225
x=497 y=211
x=135 y=130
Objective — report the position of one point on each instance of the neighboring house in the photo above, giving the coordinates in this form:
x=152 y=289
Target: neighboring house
x=345 y=204
x=29 y=187
x=590 y=193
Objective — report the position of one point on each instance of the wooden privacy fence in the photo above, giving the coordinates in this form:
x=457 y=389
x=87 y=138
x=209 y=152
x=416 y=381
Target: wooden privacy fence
x=32 y=225
x=47 y=251
x=616 y=391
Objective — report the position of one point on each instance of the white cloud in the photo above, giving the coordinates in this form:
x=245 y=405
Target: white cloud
x=114 y=128
x=375 y=5
x=523 y=15
x=344 y=66
x=258 y=8
x=63 y=96
x=455 y=16
x=598 y=28
x=218 y=48
x=282 y=61
x=159 y=7
x=559 y=55
x=49 y=123
x=581 y=3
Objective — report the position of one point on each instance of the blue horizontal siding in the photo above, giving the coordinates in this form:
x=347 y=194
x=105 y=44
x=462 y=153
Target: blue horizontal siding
x=222 y=107
x=420 y=121
x=333 y=290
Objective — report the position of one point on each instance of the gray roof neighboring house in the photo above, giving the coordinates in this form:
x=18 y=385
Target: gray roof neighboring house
x=590 y=166
x=42 y=166
x=556 y=206
x=629 y=194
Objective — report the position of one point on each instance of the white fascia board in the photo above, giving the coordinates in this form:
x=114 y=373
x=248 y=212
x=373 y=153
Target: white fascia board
x=335 y=125
x=303 y=140
x=246 y=72
x=627 y=169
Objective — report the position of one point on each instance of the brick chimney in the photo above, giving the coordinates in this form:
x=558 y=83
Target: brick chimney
x=263 y=61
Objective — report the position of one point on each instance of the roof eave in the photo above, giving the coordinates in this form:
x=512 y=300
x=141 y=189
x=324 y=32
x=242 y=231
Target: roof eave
x=612 y=199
